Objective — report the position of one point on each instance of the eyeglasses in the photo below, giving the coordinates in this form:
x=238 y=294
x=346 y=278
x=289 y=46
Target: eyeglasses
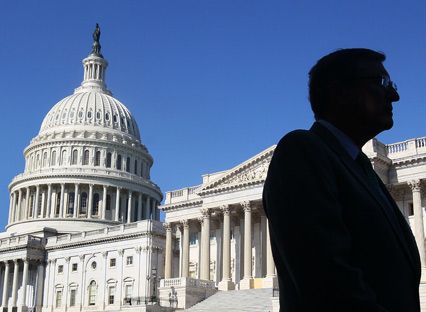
x=384 y=81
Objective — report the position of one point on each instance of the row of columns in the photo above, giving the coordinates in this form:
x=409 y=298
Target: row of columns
x=226 y=281
x=7 y=267
x=45 y=207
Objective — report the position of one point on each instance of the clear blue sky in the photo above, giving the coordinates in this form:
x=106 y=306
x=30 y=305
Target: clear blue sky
x=211 y=83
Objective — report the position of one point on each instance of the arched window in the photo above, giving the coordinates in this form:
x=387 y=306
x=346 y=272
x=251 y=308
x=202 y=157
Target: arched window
x=95 y=205
x=92 y=293
x=128 y=164
x=83 y=203
x=86 y=158
x=71 y=203
x=53 y=159
x=136 y=167
x=44 y=159
x=38 y=161
x=118 y=164
x=98 y=158
x=108 y=202
x=108 y=160
x=64 y=157
x=74 y=157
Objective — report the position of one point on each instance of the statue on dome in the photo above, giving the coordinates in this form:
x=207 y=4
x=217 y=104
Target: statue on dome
x=96 y=47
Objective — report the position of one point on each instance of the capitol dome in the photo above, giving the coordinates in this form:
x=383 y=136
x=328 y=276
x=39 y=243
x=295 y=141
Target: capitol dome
x=87 y=167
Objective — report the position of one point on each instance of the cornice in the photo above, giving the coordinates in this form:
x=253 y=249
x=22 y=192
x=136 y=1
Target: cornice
x=181 y=205
x=120 y=237
x=409 y=161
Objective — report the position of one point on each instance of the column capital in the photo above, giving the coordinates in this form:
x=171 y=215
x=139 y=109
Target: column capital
x=120 y=252
x=15 y=261
x=415 y=185
x=138 y=249
x=185 y=223
x=205 y=213
x=81 y=257
x=168 y=226
x=130 y=193
x=91 y=185
x=67 y=259
x=26 y=260
x=225 y=209
x=246 y=206
x=104 y=254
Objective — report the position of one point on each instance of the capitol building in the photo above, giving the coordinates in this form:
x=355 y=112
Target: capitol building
x=84 y=230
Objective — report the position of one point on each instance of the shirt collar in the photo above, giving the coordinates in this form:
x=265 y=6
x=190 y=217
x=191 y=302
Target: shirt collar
x=348 y=145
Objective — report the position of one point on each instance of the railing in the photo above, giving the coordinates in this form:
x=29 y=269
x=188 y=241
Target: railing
x=421 y=142
x=187 y=281
x=275 y=292
x=135 y=301
x=21 y=240
x=177 y=193
x=397 y=147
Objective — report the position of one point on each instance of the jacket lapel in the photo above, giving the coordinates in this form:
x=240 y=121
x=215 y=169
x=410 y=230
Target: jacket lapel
x=349 y=163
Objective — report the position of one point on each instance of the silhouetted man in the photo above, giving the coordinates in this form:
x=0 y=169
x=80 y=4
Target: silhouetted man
x=339 y=241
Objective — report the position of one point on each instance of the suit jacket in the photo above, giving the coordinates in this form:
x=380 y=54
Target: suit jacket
x=337 y=245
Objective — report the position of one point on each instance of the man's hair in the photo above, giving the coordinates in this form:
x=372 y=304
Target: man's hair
x=338 y=66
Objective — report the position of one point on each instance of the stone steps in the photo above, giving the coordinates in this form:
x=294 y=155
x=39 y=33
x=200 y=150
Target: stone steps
x=250 y=300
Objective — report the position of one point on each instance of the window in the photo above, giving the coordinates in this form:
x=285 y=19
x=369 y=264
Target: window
x=92 y=293
x=128 y=294
x=108 y=160
x=129 y=260
x=136 y=167
x=118 y=163
x=38 y=161
x=74 y=157
x=44 y=159
x=107 y=116
x=128 y=164
x=94 y=265
x=53 y=159
x=112 y=262
x=95 y=204
x=108 y=202
x=98 y=158
x=60 y=268
x=193 y=239
x=64 y=157
x=70 y=203
x=58 y=302
x=111 y=293
x=73 y=293
x=410 y=209
x=74 y=267
x=58 y=203
x=86 y=157
x=83 y=203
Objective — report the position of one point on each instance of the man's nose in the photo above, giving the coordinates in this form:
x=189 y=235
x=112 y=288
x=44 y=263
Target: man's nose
x=392 y=94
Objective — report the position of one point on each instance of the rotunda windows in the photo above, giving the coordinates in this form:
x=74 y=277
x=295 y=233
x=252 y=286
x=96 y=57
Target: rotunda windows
x=97 y=158
x=108 y=160
x=98 y=115
x=83 y=203
x=95 y=204
x=53 y=159
x=86 y=157
x=118 y=164
x=93 y=265
x=89 y=114
x=107 y=116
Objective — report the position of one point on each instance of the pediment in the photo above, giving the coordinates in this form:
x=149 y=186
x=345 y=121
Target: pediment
x=252 y=171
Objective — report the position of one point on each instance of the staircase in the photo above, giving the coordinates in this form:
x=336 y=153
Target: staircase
x=250 y=300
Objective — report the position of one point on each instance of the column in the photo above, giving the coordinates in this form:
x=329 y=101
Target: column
x=43 y=204
x=169 y=253
x=25 y=282
x=4 y=301
x=104 y=201
x=205 y=246
x=147 y=208
x=185 y=248
x=129 y=208
x=13 y=212
x=139 y=208
x=40 y=279
x=153 y=208
x=117 y=204
x=61 y=204
x=247 y=281
x=27 y=202
x=271 y=278
x=226 y=282
x=35 y=207
x=49 y=200
x=90 y=203
x=15 y=282
x=10 y=208
x=76 y=201
x=19 y=212
x=418 y=219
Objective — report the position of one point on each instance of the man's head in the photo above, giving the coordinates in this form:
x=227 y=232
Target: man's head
x=352 y=89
